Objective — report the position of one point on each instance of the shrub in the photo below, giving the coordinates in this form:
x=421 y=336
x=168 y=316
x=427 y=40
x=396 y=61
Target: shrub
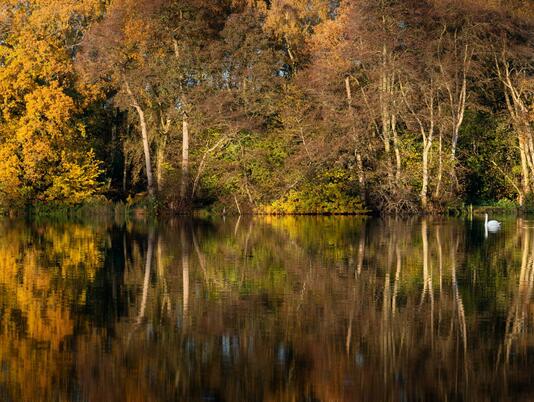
x=332 y=192
x=505 y=203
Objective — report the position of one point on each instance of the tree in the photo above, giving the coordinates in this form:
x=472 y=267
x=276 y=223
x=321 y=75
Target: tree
x=40 y=110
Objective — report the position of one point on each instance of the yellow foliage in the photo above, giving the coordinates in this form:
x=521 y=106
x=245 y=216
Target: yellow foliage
x=42 y=157
x=77 y=181
x=291 y=20
x=10 y=185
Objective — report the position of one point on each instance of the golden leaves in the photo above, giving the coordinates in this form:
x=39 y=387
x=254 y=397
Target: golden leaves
x=9 y=175
x=77 y=180
x=39 y=104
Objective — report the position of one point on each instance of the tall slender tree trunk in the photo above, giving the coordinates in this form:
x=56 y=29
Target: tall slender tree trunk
x=524 y=165
x=396 y=146
x=361 y=174
x=455 y=85
x=424 y=186
x=184 y=185
x=439 y=179
x=388 y=116
x=524 y=128
x=144 y=136
x=357 y=153
x=185 y=195
x=160 y=156
x=146 y=149
x=160 y=161
x=159 y=168
x=386 y=124
x=427 y=135
x=124 y=168
x=519 y=114
x=458 y=108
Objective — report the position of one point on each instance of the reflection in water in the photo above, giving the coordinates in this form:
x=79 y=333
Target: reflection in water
x=266 y=309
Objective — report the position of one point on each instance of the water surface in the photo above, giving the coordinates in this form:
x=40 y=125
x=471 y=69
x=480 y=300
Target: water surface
x=267 y=309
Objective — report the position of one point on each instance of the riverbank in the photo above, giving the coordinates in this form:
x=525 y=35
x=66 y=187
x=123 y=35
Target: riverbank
x=143 y=206
x=148 y=209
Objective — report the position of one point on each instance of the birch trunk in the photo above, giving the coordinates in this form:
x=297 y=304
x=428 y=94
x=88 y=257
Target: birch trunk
x=159 y=164
x=124 y=168
x=146 y=149
x=357 y=154
x=144 y=136
x=519 y=115
x=439 y=179
x=385 y=115
x=424 y=186
x=184 y=185
x=427 y=135
x=160 y=156
x=396 y=147
x=455 y=83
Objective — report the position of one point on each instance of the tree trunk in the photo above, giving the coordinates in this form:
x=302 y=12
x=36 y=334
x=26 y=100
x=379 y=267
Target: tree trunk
x=459 y=111
x=529 y=146
x=437 y=193
x=386 y=88
x=160 y=159
x=184 y=186
x=525 y=173
x=520 y=120
x=456 y=88
x=361 y=175
x=386 y=125
x=396 y=147
x=162 y=145
x=424 y=187
x=357 y=154
x=144 y=135
x=427 y=135
x=146 y=149
x=124 y=168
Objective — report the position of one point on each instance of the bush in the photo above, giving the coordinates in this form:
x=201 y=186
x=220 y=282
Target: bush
x=505 y=203
x=333 y=192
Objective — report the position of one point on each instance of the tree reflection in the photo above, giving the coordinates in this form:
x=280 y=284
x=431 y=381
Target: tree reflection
x=518 y=335
x=267 y=309
x=45 y=274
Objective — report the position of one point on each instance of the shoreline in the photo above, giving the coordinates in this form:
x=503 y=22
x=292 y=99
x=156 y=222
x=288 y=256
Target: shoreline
x=116 y=209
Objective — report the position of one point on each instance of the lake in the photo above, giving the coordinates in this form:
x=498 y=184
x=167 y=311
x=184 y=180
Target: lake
x=267 y=309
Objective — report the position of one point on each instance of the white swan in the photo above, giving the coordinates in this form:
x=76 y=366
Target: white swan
x=491 y=226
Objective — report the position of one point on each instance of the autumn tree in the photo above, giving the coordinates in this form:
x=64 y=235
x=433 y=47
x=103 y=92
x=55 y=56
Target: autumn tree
x=42 y=133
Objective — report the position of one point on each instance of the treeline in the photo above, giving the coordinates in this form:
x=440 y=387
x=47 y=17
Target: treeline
x=274 y=106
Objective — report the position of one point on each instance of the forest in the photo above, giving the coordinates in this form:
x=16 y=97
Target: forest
x=267 y=106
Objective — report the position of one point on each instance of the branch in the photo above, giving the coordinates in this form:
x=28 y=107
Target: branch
x=512 y=182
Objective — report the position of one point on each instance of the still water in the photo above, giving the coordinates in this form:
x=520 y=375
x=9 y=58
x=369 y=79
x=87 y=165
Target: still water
x=267 y=309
